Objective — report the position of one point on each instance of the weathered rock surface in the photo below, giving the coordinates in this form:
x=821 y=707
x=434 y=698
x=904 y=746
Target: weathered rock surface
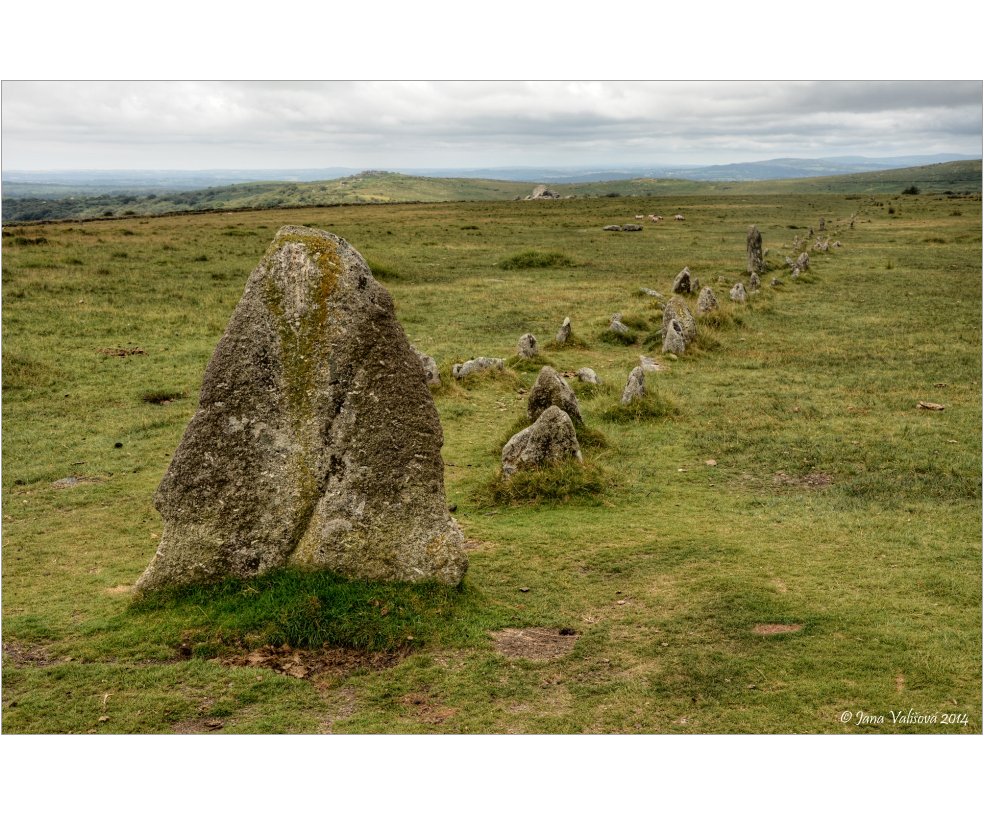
x=802 y=262
x=432 y=376
x=649 y=365
x=564 y=333
x=754 y=282
x=754 y=247
x=651 y=293
x=612 y=228
x=635 y=387
x=588 y=376
x=473 y=366
x=527 y=347
x=677 y=309
x=738 y=293
x=316 y=441
x=549 y=440
x=550 y=389
x=706 y=301
x=617 y=326
x=775 y=282
x=673 y=341
x=682 y=283
x=631 y=227
x=540 y=192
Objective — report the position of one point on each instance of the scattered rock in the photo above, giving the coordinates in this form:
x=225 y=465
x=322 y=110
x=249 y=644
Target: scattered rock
x=635 y=387
x=652 y=293
x=588 y=376
x=632 y=227
x=930 y=406
x=823 y=225
x=738 y=294
x=473 y=366
x=549 y=440
x=540 y=192
x=754 y=247
x=316 y=441
x=550 y=389
x=802 y=262
x=754 y=283
x=775 y=282
x=564 y=334
x=612 y=228
x=649 y=365
x=617 y=326
x=432 y=376
x=527 y=347
x=706 y=301
x=681 y=283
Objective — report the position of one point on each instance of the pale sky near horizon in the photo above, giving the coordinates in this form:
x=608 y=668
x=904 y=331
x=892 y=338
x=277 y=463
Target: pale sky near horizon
x=57 y=125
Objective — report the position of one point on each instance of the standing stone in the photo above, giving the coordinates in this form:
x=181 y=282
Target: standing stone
x=549 y=440
x=588 y=376
x=473 y=366
x=527 y=347
x=681 y=283
x=635 y=387
x=706 y=301
x=631 y=228
x=803 y=262
x=754 y=245
x=775 y=282
x=550 y=389
x=754 y=283
x=738 y=293
x=677 y=309
x=432 y=376
x=564 y=334
x=316 y=441
x=673 y=341
x=823 y=225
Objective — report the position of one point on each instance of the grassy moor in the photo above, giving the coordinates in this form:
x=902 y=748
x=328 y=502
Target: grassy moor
x=778 y=540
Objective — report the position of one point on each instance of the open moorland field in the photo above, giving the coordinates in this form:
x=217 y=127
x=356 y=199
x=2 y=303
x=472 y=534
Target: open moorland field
x=783 y=537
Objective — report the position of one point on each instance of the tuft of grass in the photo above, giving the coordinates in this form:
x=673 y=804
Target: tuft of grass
x=504 y=378
x=560 y=484
x=534 y=259
x=528 y=364
x=574 y=342
x=652 y=407
x=159 y=397
x=614 y=338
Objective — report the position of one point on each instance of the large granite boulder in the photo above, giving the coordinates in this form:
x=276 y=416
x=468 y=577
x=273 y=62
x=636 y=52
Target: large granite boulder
x=550 y=389
x=549 y=440
x=316 y=441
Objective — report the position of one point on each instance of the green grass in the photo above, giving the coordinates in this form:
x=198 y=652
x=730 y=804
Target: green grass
x=832 y=502
x=533 y=259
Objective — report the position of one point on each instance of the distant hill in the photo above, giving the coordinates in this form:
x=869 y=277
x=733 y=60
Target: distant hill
x=388 y=187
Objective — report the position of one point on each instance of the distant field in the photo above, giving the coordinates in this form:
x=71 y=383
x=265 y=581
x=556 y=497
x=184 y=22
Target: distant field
x=833 y=507
x=31 y=202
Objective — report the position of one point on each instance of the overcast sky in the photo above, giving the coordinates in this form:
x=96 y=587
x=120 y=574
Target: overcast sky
x=251 y=125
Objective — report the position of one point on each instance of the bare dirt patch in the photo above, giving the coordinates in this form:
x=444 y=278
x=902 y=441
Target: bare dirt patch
x=197 y=726
x=426 y=709
x=304 y=664
x=122 y=588
x=70 y=481
x=768 y=629
x=22 y=654
x=534 y=643
x=814 y=481
x=471 y=544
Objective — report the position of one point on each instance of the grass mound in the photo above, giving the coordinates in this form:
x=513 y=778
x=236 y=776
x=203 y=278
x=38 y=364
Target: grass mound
x=550 y=485
x=501 y=377
x=534 y=259
x=586 y=437
x=614 y=338
x=306 y=609
x=573 y=342
x=528 y=364
x=652 y=407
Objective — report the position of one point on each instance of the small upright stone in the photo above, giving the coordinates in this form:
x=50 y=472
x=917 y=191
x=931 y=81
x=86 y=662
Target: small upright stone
x=754 y=247
x=635 y=387
x=673 y=342
x=681 y=283
x=564 y=334
x=738 y=293
x=754 y=283
x=775 y=282
x=616 y=326
x=677 y=309
x=651 y=293
x=823 y=224
x=588 y=376
x=527 y=347
x=550 y=440
x=706 y=301
x=803 y=262
x=432 y=376
x=550 y=389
